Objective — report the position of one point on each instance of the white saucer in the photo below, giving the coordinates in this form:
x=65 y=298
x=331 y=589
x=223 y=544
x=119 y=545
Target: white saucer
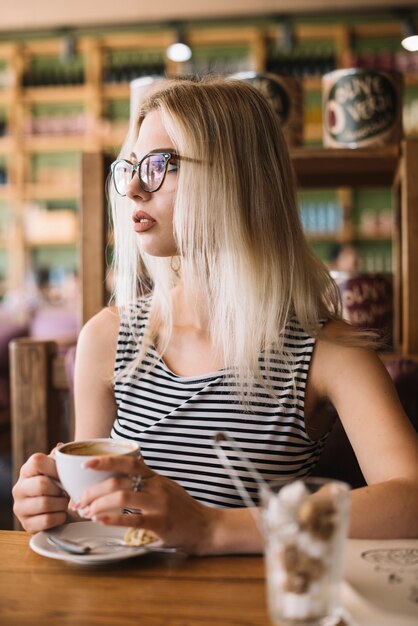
x=88 y=533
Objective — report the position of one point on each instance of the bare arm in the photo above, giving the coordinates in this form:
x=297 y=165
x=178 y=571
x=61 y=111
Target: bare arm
x=384 y=441
x=95 y=407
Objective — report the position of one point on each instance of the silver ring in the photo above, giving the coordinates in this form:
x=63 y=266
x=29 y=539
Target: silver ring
x=136 y=483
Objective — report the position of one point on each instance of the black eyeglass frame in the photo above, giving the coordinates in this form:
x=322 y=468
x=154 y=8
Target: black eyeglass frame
x=168 y=156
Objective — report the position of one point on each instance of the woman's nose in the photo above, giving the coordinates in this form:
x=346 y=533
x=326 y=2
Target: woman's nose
x=135 y=191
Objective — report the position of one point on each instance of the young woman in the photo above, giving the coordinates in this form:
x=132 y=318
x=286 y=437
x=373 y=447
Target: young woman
x=241 y=333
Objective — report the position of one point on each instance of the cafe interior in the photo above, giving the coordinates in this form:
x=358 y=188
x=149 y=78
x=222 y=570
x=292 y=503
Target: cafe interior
x=72 y=78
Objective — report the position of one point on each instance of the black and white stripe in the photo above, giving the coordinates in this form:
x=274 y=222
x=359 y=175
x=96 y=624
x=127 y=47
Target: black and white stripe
x=175 y=418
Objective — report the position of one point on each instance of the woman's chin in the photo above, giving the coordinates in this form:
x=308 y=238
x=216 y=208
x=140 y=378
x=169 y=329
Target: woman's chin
x=159 y=251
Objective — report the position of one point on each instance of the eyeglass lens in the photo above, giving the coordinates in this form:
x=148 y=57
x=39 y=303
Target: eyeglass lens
x=151 y=173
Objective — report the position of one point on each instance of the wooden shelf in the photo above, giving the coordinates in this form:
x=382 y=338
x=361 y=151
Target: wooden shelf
x=411 y=80
x=57 y=143
x=341 y=237
x=312 y=83
x=312 y=132
x=51 y=244
x=6 y=193
x=138 y=41
x=116 y=91
x=44 y=191
x=325 y=237
x=377 y=237
x=6 y=144
x=5 y=97
x=114 y=138
x=61 y=94
x=317 y=167
x=223 y=36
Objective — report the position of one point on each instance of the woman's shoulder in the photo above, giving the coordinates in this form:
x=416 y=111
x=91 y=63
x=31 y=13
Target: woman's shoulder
x=104 y=320
x=341 y=350
x=102 y=329
x=108 y=320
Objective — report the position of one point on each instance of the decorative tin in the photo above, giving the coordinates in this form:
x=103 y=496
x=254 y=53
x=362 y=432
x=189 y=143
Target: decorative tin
x=285 y=95
x=368 y=301
x=361 y=108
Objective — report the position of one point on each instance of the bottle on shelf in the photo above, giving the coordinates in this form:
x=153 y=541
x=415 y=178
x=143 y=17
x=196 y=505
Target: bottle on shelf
x=321 y=218
x=300 y=61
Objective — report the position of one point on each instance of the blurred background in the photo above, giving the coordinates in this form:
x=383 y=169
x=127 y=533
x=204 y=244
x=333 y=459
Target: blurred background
x=69 y=83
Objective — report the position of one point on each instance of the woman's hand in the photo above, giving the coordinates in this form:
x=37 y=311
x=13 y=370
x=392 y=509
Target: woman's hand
x=38 y=502
x=161 y=504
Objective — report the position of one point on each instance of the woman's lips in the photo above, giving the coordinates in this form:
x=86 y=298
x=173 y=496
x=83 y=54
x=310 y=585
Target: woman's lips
x=142 y=221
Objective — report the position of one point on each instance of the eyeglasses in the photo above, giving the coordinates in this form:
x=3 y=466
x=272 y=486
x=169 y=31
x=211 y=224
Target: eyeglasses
x=151 y=171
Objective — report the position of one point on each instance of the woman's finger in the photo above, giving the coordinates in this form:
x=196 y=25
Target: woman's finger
x=39 y=486
x=120 y=464
x=37 y=523
x=39 y=464
x=115 y=502
x=39 y=505
x=117 y=483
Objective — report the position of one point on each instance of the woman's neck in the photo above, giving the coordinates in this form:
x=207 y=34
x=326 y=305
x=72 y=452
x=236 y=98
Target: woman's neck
x=190 y=308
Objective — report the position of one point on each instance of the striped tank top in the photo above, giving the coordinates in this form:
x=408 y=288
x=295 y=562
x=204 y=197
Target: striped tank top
x=175 y=418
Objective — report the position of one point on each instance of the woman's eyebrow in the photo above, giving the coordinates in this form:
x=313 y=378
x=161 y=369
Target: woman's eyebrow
x=158 y=150
x=133 y=156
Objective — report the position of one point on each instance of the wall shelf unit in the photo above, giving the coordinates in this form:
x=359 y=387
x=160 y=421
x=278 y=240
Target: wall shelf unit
x=395 y=167
x=106 y=63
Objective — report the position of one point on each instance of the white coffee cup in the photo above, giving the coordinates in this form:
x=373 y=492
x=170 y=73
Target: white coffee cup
x=70 y=459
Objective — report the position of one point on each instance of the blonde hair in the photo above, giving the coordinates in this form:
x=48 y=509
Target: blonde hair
x=237 y=228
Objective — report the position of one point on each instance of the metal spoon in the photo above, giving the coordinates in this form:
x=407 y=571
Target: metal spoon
x=74 y=547
x=69 y=546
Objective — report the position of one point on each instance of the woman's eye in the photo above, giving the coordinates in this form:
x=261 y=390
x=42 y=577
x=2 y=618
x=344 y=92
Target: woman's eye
x=172 y=167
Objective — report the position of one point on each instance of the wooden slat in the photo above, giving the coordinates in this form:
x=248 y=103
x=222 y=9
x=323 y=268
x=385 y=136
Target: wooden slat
x=409 y=246
x=93 y=235
x=58 y=373
x=30 y=377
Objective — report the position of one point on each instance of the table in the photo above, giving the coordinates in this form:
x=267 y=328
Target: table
x=151 y=590
x=173 y=590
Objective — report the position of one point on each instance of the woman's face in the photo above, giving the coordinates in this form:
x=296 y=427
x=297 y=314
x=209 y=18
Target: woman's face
x=153 y=212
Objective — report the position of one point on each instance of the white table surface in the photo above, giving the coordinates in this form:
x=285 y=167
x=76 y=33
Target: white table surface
x=381 y=587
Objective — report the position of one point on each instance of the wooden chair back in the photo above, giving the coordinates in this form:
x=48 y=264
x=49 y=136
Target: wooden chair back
x=41 y=405
x=42 y=408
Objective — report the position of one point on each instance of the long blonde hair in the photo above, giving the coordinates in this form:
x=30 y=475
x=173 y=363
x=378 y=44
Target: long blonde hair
x=237 y=228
